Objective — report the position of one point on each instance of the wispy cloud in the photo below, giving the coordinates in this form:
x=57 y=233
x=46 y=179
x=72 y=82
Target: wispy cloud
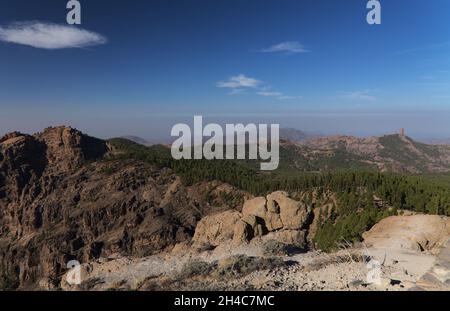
x=49 y=36
x=436 y=75
x=239 y=82
x=270 y=94
x=424 y=48
x=360 y=95
x=286 y=47
x=277 y=95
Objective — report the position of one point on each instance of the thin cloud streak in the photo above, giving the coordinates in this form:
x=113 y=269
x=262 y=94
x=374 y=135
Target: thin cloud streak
x=293 y=47
x=360 y=95
x=239 y=82
x=49 y=36
x=424 y=48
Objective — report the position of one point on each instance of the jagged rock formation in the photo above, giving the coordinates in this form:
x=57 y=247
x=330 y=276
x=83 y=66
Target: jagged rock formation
x=62 y=199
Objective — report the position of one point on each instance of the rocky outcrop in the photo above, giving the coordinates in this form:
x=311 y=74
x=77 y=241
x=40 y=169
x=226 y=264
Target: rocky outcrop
x=275 y=217
x=416 y=232
x=67 y=148
x=270 y=215
x=216 y=229
x=22 y=159
x=293 y=214
x=62 y=200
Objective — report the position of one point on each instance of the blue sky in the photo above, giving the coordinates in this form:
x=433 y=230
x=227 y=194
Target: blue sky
x=314 y=65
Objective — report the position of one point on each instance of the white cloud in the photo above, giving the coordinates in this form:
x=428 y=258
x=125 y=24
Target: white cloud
x=277 y=95
x=239 y=82
x=288 y=47
x=49 y=36
x=270 y=94
x=360 y=95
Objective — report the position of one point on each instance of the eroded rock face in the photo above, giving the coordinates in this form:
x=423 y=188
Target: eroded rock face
x=68 y=148
x=218 y=228
x=60 y=201
x=258 y=207
x=22 y=158
x=293 y=214
x=290 y=237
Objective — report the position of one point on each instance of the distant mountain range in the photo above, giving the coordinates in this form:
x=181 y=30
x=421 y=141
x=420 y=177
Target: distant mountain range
x=394 y=153
x=289 y=134
x=436 y=141
x=306 y=151
x=295 y=135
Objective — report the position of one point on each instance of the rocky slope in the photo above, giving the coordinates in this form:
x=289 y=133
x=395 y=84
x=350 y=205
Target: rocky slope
x=62 y=199
x=254 y=265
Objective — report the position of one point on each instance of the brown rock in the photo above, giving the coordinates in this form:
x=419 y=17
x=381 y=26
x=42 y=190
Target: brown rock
x=216 y=229
x=258 y=228
x=68 y=148
x=243 y=233
x=293 y=214
x=255 y=207
x=416 y=232
x=258 y=207
x=289 y=237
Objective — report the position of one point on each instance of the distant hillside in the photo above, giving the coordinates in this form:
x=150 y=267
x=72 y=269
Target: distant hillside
x=137 y=140
x=393 y=153
x=300 y=151
x=436 y=141
x=295 y=135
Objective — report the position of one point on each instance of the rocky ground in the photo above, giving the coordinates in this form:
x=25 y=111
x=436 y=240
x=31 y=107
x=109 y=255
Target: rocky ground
x=256 y=265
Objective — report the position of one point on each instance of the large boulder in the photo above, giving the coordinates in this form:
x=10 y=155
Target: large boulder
x=242 y=233
x=416 y=232
x=289 y=237
x=216 y=229
x=256 y=224
x=258 y=207
x=294 y=215
x=277 y=217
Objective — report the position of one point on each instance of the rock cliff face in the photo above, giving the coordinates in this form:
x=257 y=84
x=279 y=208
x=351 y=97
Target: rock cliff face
x=61 y=198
